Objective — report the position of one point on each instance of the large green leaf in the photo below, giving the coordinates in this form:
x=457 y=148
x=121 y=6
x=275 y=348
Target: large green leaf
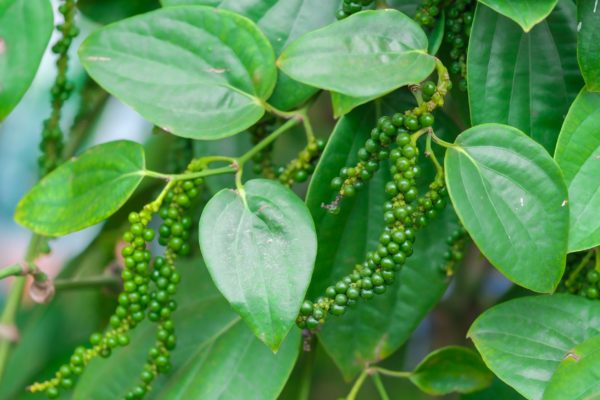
x=523 y=340
x=451 y=369
x=215 y=358
x=588 y=43
x=282 y=22
x=260 y=247
x=390 y=46
x=194 y=71
x=21 y=49
x=84 y=190
x=577 y=154
x=106 y=11
x=375 y=329
x=511 y=197
x=525 y=13
x=576 y=377
x=526 y=80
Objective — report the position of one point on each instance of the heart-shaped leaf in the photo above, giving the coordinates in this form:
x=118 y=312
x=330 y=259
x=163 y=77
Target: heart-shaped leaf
x=523 y=340
x=451 y=369
x=195 y=71
x=503 y=71
x=391 y=46
x=525 y=13
x=215 y=358
x=588 y=43
x=260 y=247
x=84 y=190
x=21 y=49
x=282 y=22
x=578 y=155
x=576 y=377
x=510 y=195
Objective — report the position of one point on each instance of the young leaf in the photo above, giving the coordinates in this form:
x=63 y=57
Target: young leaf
x=384 y=323
x=391 y=46
x=504 y=67
x=216 y=355
x=588 y=43
x=282 y=22
x=523 y=340
x=525 y=13
x=194 y=71
x=576 y=377
x=577 y=153
x=84 y=190
x=21 y=50
x=260 y=247
x=511 y=197
x=451 y=369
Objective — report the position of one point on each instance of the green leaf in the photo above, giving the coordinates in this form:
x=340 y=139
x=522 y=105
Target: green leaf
x=84 y=190
x=215 y=358
x=282 y=22
x=260 y=247
x=106 y=11
x=194 y=71
x=337 y=59
x=588 y=43
x=525 y=13
x=436 y=36
x=576 y=377
x=451 y=369
x=21 y=50
x=497 y=391
x=376 y=329
x=511 y=197
x=577 y=154
x=526 y=80
x=523 y=340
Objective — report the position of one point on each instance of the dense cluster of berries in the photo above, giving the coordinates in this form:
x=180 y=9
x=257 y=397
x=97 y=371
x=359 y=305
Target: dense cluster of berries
x=456 y=242
x=459 y=18
x=148 y=290
x=394 y=139
x=582 y=275
x=350 y=7
x=299 y=169
x=52 y=135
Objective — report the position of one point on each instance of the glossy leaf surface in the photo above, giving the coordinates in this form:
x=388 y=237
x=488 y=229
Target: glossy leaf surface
x=451 y=369
x=84 y=190
x=194 y=71
x=511 y=197
x=21 y=49
x=391 y=46
x=526 y=80
x=577 y=154
x=260 y=251
x=588 y=43
x=523 y=340
x=525 y=13
x=282 y=22
x=576 y=377
x=212 y=342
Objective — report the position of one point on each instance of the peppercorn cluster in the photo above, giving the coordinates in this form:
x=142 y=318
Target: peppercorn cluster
x=51 y=144
x=394 y=139
x=350 y=7
x=459 y=19
x=456 y=242
x=299 y=169
x=582 y=275
x=149 y=286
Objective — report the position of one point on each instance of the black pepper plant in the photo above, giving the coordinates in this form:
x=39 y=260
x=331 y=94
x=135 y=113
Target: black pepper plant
x=228 y=254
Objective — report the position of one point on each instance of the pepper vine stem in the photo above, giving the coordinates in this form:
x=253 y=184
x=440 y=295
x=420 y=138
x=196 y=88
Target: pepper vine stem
x=357 y=385
x=86 y=283
x=389 y=372
x=379 y=386
x=584 y=261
